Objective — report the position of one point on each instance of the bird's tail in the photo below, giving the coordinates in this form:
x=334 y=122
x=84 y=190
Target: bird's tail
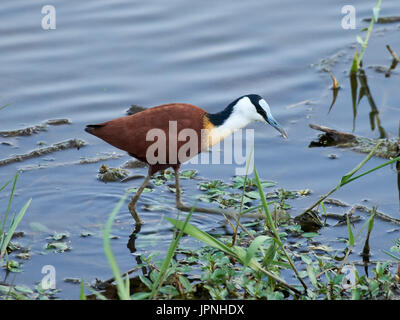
x=91 y=127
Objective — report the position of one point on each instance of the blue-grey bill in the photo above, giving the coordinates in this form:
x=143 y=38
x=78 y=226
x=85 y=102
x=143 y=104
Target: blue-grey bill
x=282 y=131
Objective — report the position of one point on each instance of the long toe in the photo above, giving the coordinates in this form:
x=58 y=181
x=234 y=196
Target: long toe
x=183 y=207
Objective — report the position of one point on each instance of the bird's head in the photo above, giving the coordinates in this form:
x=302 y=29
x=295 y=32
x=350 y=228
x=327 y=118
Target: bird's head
x=254 y=108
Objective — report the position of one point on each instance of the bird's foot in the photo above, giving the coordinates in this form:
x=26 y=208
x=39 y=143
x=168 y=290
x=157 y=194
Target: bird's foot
x=183 y=207
x=135 y=215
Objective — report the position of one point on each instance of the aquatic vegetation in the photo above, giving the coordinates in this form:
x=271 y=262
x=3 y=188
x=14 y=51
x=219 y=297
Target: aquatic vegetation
x=357 y=61
x=384 y=148
x=124 y=287
x=10 y=224
x=349 y=177
x=164 y=176
x=107 y=174
x=394 y=250
x=58 y=246
x=387 y=70
x=134 y=108
x=253 y=268
x=21 y=292
x=226 y=195
x=326 y=64
x=262 y=257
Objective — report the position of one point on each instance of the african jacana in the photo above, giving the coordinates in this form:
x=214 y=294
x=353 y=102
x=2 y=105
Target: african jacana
x=129 y=133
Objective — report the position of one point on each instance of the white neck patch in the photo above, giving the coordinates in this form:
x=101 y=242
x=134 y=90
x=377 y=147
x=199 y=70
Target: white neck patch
x=266 y=108
x=243 y=113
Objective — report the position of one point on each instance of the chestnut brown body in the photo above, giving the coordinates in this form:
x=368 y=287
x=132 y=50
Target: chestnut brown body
x=129 y=133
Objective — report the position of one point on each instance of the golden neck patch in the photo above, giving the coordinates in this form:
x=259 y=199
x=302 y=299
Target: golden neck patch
x=213 y=134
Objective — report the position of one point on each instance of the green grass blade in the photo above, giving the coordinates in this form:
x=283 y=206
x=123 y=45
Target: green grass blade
x=242 y=198
x=369 y=223
x=312 y=276
x=127 y=285
x=391 y=255
x=12 y=228
x=347 y=177
x=264 y=203
x=371 y=220
x=244 y=184
x=98 y=295
x=6 y=184
x=3 y=225
x=354 y=66
x=82 y=295
x=374 y=169
x=109 y=255
x=167 y=260
x=201 y=235
x=5 y=106
x=236 y=252
x=260 y=206
x=274 y=230
x=4 y=218
x=376 y=10
x=350 y=232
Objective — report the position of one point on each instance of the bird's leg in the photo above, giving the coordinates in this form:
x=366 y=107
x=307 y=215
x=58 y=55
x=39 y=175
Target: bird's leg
x=135 y=198
x=179 y=203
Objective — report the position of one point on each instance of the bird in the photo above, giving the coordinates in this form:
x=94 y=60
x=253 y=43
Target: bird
x=136 y=134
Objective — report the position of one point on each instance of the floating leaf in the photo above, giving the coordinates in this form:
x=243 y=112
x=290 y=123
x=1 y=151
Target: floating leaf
x=59 y=236
x=58 y=246
x=311 y=275
x=309 y=234
x=185 y=283
x=254 y=246
x=13 y=266
x=24 y=289
x=140 y=295
x=188 y=174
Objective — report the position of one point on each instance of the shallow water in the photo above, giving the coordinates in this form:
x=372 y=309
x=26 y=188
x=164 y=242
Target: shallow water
x=105 y=56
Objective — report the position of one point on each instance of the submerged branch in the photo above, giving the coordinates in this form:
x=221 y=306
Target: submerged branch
x=111 y=156
x=394 y=54
x=378 y=214
x=388 y=148
x=34 y=129
x=383 y=20
x=227 y=213
x=72 y=143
